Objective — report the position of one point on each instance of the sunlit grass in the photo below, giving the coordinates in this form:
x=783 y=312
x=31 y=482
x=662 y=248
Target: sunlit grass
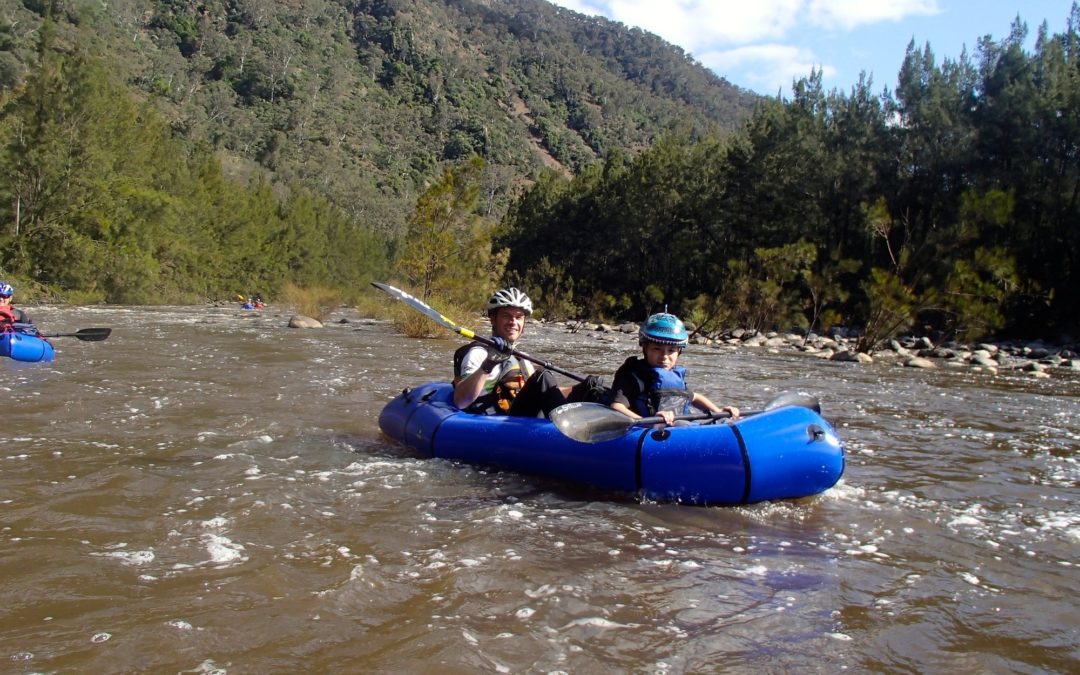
x=317 y=302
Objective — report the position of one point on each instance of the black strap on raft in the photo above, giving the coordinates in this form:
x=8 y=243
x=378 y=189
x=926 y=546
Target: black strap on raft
x=745 y=461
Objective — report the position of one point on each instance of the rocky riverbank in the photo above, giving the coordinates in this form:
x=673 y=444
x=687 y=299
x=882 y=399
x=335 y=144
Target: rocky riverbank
x=1034 y=359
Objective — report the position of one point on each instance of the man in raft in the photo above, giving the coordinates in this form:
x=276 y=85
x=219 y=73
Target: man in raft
x=489 y=380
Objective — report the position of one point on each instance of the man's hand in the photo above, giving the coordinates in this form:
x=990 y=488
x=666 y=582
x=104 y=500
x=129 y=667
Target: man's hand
x=497 y=352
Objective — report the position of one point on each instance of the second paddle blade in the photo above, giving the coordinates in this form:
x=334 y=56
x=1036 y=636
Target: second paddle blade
x=590 y=422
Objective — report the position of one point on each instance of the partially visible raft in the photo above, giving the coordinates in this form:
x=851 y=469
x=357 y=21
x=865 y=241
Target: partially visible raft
x=24 y=344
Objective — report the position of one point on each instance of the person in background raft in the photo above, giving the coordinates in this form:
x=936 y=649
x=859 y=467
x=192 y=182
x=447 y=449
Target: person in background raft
x=491 y=381
x=11 y=315
x=653 y=383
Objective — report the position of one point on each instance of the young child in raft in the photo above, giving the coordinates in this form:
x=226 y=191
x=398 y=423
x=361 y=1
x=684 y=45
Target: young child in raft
x=646 y=385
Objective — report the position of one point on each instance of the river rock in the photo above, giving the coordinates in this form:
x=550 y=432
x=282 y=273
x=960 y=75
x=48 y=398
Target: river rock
x=919 y=362
x=301 y=321
x=848 y=356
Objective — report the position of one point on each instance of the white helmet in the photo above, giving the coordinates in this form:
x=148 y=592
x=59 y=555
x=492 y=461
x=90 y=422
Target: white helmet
x=509 y=297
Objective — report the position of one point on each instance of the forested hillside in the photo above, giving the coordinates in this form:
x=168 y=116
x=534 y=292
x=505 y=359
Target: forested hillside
x=363 y=100
x=198 y=148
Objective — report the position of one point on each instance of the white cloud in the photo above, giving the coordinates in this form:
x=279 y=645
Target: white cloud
x=766 y=65
x=764 y=41
x=696 y=25
x=850 y=14
x=700 y=24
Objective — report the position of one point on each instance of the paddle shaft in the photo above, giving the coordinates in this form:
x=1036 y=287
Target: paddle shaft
x=642 y=421
x=785 y=399
x=432 y=313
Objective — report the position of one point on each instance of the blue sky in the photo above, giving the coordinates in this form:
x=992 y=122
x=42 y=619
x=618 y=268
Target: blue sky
x=763 y=45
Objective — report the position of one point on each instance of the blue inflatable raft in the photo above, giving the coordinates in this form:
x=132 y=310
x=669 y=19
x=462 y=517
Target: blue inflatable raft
x=24 y=344
x=785 y=453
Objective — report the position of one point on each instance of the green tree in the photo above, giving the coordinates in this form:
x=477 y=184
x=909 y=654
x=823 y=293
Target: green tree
x=447 y=250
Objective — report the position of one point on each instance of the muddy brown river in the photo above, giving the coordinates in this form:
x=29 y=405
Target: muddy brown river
x=207 y=491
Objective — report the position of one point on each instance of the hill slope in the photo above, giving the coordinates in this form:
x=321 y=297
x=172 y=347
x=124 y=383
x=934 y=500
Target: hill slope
x=363 y=100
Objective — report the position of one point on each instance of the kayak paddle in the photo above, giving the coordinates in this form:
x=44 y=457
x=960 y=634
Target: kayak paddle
x=84 y=334
x=420 y=306
x=595 y=423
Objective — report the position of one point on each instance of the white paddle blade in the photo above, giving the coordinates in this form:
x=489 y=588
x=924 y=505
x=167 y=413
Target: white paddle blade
x=794 y=398
x=590 y=422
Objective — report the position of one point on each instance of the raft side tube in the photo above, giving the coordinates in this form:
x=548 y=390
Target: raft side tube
x=700 y=464
x=26 y=347
x=781 y=454
x=415 y=415
x=533 y=445
x=425 y=419
x=794 y=452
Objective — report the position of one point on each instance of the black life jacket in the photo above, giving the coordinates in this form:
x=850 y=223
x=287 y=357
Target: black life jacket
x=497 y=396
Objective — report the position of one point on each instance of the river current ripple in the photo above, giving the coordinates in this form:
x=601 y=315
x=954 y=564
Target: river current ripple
x=207 y=491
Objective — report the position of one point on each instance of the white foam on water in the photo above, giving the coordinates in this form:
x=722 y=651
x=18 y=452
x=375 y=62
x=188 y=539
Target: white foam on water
x=753 y=570
x=544 y=591
x=1065 y=522
x=597 y=622
x=209 y=668
x=223 y=550
x=130 y=558
x=965 y=521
